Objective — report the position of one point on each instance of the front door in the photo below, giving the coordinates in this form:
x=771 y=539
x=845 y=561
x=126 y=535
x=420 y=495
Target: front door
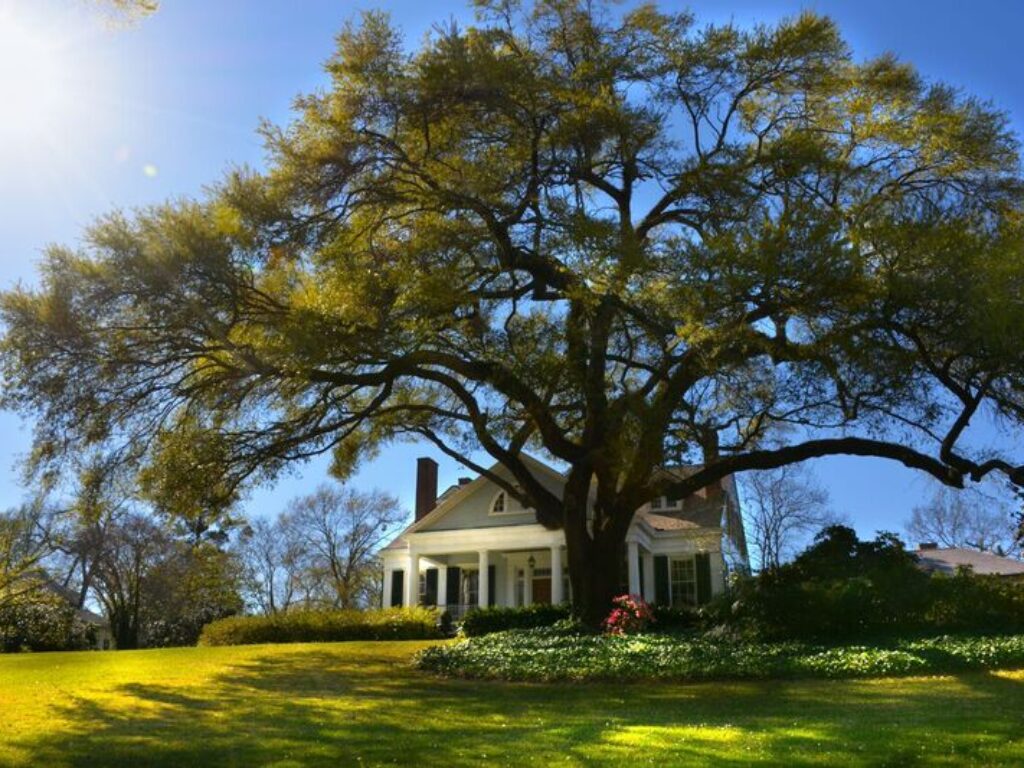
x=542 y=590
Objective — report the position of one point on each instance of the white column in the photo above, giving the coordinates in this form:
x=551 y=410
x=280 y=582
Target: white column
x=648 y=577
x=557 y=593
x=412 y=579
x=483 y=582
x=386 y=601
x=633 y=566
x=510 y=582
x=442 y=586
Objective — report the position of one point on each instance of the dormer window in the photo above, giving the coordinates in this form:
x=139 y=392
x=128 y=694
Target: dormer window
x=504 y=504
x=500 y=505
x=664 y=504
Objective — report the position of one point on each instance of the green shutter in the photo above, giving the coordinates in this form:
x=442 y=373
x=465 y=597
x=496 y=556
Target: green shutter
x=452 y=588
x=430 y=598
x=703 y=565
x=492 y=584
x=396 y=588
x=661 y=593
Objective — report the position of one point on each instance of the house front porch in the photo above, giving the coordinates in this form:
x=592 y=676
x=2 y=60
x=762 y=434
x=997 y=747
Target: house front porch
x=527 y=564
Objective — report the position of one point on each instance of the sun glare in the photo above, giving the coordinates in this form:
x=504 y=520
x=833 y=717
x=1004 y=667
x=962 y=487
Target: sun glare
x=33 y=84
x=29 y=78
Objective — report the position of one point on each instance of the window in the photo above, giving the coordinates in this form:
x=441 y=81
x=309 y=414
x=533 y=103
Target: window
x=502 y=504
x=683 y=578
x=423 y=589
x=664 y=503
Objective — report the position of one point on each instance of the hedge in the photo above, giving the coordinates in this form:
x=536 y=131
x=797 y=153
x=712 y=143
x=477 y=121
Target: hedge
x=323 y=627
x=484 y=621
x=541 y=655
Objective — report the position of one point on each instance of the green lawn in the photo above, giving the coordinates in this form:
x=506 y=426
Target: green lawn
x=361 y=704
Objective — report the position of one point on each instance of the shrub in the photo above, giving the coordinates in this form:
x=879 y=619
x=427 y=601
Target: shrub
x=842 y=588
x=323 y=627
x=484 y=621
x=42 y=623
x=976 y=603
x=630 y=615
x=675 y=619
x=548 y=654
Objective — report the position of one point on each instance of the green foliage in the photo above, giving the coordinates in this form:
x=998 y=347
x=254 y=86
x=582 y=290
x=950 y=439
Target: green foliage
x=838 y=588
x=842 y=588
x=675 y=619
x=186 y=591
x=966 y=602
x=42 y=622
x=483 y=621
x=548 y=655
x=23 y=545
x=323 y=627
x=185 y=482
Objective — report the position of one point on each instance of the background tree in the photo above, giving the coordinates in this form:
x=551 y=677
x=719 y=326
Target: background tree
x=321 y=552
x=342 y=530
x=24 y=544
x=186 y=590
x=270 y=562
x=184 y=482
x=964 y=519
x=619 y=239
x=782 y=509
x=133 y=549
x=101 y=493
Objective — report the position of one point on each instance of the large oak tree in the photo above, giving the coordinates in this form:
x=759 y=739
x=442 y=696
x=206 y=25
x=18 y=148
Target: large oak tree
x=617 y=238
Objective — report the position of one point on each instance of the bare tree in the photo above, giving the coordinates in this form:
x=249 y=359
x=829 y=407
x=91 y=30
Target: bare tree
x=965 y=519
x=342 y=530
x=270 y=562
x=783 y=507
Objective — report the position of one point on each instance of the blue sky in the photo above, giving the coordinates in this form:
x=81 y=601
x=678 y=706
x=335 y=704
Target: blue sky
x=155 y=110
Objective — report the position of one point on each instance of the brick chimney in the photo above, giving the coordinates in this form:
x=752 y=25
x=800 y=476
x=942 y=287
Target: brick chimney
x=927 y=545
x=426 y=486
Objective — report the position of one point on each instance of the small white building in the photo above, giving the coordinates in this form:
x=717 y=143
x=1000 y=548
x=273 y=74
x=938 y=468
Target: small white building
x=475 y=546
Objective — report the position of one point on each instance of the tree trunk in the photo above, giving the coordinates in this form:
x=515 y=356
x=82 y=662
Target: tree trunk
x=124 y=630
x=595 y=566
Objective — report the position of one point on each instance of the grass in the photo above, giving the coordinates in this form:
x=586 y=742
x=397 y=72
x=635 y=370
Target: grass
x=363 y=704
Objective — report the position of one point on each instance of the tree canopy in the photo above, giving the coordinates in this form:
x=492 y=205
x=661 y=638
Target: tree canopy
x=618 y=238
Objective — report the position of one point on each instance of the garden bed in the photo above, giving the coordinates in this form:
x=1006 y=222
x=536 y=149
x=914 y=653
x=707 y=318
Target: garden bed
x=550 y=654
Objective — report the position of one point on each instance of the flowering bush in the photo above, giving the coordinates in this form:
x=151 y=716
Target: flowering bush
x=630 y=615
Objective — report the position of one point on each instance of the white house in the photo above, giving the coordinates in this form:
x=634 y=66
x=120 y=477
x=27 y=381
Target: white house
x=475 y=546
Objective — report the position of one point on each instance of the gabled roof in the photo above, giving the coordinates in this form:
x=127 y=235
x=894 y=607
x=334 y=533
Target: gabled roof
x=697 y=511
x=949 y=559
x=448 y=500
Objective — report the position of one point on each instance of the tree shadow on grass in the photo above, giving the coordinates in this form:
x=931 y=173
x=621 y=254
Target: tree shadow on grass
x=349 y=705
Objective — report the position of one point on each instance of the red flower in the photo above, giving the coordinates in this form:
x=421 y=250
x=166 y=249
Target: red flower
x=630 y=614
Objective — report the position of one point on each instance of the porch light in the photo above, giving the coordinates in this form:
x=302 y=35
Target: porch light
x=531 y=562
